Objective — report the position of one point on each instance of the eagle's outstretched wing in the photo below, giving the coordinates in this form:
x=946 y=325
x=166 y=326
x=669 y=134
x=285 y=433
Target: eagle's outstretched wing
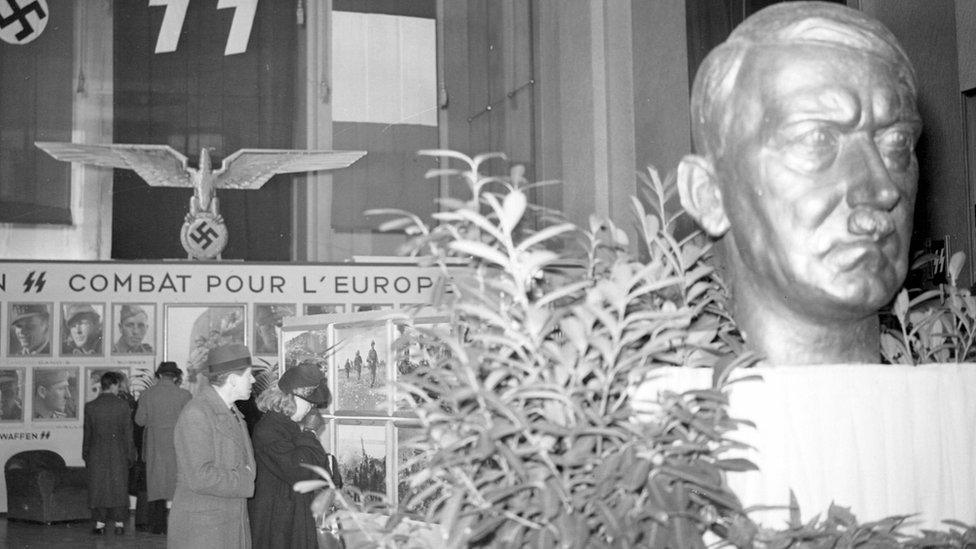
x=158 y=165
x=251 y=168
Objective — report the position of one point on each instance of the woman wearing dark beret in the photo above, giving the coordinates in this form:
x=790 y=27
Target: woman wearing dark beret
x=281 y=517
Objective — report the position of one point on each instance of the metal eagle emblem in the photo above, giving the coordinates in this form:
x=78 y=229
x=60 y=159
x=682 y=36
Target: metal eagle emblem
x=203 y=234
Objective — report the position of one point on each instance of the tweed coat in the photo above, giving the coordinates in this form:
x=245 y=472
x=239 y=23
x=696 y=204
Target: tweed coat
x=159 y=408
x=280 y=516
x=108 y=450
x=214 y=476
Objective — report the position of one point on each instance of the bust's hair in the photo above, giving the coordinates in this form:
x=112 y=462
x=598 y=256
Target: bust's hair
x=274 y=399
x=778 y=25
x=110 y=378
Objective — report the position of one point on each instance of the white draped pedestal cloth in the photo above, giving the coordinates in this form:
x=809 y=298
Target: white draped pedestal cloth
x=882 y=440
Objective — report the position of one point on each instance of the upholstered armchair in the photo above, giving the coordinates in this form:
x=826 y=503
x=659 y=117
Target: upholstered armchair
x=41 y=488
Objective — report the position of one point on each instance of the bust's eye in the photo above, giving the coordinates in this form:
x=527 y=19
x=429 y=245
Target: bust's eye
x=896 y=140
x=896 y=146
x=811 y=147
x=819 y=138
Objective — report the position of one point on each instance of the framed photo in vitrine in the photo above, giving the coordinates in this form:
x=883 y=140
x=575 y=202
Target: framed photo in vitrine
x=361 y=358
x=362 y=450
x=300 y=345
x=417 y=344
x=409 y=460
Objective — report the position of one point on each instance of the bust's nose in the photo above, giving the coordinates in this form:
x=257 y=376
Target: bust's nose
x=869 y=182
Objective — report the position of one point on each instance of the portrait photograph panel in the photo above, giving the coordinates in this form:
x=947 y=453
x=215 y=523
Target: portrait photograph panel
x=133 y=328
x=93 y=380
x=267 y=323
x=364 y=307
x=360 y=356
x=82 y=329
x=30 y=329
x=192 y=330
x=54 y=394
x=12 y=395
x=323 y=308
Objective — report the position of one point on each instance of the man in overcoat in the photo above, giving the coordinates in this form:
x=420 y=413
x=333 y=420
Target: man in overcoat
x=214 y=460
x=158 y=409
x=108 y=451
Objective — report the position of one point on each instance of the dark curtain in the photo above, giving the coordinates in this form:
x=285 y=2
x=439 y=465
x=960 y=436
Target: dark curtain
x=36 y=95
x=197 y=97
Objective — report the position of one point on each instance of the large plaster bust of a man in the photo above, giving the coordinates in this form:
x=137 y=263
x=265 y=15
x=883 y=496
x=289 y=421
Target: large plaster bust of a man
x=804 y=123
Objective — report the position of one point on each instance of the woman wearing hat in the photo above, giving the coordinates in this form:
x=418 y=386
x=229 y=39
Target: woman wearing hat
x=281 y=517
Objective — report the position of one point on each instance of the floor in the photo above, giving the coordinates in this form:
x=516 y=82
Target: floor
x=16 y=535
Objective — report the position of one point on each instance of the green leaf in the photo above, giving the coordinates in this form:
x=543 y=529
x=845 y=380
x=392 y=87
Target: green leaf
x=795 y=521
x=900 y=307
x=955 y=266
x=305 y=486
x=545 y=234
x=513 y=207
x=480 y=250
x=446 y=153
x=737 y=464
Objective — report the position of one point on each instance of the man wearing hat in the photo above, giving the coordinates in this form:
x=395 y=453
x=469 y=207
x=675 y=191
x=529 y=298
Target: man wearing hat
x=84 y=330
x=214 y=460
x=52 y=394
x=158 y=409
x=11 y=398
x=30 y=330
x=133 y=326
x=283 y=443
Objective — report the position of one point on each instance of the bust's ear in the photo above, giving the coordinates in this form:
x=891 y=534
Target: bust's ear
x=700 y=194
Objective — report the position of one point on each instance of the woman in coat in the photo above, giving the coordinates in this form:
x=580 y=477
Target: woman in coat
x=108 y=451
x=159 y=408
x=281 y=517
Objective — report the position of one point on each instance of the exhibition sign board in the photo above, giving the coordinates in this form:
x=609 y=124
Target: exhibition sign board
x=65 y=323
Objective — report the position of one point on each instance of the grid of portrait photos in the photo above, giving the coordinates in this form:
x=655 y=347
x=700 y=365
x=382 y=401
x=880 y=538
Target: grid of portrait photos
x=51 y=351
x=364 y=354
x=80 y=329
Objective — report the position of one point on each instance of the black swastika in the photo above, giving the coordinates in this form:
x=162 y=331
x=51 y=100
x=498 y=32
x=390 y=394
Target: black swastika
x=20 y=14
x=203 y=235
